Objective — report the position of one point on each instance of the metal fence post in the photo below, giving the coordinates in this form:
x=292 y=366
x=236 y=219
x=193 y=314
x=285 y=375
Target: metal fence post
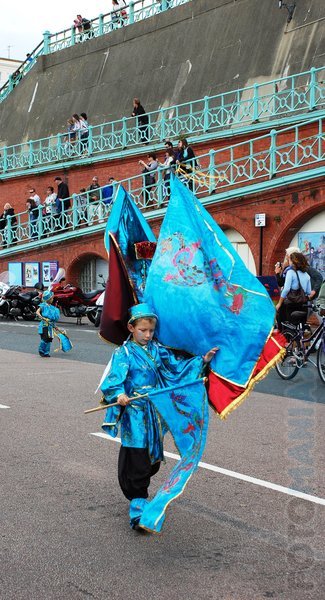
x=131 y=13
x=46 y=42
x=100 y=24
x=73 y=35
x=124 y=133
x=10 y=83
x=312 y=89
x=163 y=5
x=30 y=154
x=74 y=211
x=9 y=230
x=206 y=113
x=255 y=103
x=272 y=172
x=212 y=183
x=5 y=159
x=160 y=188
x=90 y=140
x=40 y=221
x=162 y=125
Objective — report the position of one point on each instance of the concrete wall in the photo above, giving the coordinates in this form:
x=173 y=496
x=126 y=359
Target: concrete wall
x=201 y=48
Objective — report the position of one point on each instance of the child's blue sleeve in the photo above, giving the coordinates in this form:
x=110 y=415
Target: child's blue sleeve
x=113 y=384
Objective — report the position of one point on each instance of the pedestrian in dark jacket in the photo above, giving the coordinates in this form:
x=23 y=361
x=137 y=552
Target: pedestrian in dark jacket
x=63 y=200
x=8 y=223
x=142 y=120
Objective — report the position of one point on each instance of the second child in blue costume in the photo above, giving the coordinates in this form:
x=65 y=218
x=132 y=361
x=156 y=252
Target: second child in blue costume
x=49 y=315
x=137 y=367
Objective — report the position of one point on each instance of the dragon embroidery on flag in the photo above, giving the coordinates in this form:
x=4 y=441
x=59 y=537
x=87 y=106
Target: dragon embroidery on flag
x=192 y=268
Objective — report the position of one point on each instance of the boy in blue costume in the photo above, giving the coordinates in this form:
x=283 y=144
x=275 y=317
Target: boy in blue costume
x=51 y=314
x=141 y=365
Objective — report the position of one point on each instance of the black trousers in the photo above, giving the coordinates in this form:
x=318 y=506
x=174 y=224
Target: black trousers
x=135 y=471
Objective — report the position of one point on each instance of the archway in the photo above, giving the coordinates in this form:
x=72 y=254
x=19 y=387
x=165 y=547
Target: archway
x=89 y=271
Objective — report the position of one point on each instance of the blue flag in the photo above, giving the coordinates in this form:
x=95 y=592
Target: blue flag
x=184 y=409
x=129 y=228
x=203 y=293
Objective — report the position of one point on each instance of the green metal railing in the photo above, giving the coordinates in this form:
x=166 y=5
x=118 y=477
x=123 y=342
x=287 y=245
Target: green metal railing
x=287 y=153
x=135 y=11
x=281 y=98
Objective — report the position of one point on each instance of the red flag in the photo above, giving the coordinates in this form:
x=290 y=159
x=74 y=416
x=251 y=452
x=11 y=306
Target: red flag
x=225 y=396
x=119 y=297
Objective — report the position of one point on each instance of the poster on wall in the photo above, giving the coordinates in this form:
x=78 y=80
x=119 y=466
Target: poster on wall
x=31 y=273
x=312 y=245
x=15 y=273
x=49 y=270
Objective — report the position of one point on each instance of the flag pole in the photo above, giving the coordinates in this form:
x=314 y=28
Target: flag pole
x=103 y=406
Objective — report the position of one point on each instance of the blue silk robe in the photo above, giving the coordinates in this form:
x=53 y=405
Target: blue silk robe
x=136 y=370
x=48 y=312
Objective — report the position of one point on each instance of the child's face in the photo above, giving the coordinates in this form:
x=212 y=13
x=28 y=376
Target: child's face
x=143 y=331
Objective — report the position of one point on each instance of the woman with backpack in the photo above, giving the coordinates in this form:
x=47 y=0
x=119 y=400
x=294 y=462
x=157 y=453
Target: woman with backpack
x=296 y=290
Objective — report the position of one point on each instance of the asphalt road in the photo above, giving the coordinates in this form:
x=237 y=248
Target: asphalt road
x=63 y=521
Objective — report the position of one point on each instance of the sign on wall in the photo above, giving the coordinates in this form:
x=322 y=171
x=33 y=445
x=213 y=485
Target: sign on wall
x=15 y=273
x=49 y=270
x=312 y=245
x=31 y=274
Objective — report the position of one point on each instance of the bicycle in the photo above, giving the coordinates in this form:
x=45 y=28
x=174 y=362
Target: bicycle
x=299 y=347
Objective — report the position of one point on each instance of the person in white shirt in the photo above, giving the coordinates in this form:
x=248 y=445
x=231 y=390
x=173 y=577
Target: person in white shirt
x=34 y=196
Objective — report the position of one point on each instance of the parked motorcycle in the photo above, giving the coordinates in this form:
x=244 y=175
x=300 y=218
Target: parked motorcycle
x=72 y=300
x=22 y=304
x=4 y=287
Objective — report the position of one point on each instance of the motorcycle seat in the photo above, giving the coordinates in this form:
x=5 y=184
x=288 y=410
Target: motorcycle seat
x=90 y=295
x=27 y=296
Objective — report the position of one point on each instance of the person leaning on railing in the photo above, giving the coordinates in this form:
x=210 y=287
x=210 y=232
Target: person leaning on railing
x=149 y=171
x=142 y=120
x=33 y=211
x=187 y=161
x=8 y=223
x=50 y=208
x=63 y=201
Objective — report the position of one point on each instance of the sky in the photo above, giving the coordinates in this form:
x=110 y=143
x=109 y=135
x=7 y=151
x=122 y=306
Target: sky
x=22 y=23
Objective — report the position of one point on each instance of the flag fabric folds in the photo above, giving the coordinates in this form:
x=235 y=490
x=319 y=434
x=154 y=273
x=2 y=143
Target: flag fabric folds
x=129 y=227
x=119 y=297
x=126 y=230
x=205 y=296
x=184 y=409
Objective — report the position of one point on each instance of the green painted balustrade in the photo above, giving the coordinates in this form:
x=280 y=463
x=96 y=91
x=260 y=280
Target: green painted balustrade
x=280 y=99
x=278 y=158
x=138 y=10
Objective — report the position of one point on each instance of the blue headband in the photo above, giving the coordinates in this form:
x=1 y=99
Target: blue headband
x=141 y=311
x=47 y=295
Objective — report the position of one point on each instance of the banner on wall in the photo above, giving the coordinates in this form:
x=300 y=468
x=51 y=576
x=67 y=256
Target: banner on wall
x=49 y=271
x=31 y=273
x=15 y=273
x=312 y=245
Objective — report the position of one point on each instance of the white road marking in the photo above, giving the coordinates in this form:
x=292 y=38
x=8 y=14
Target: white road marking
x=3 y=406
x=247 y=478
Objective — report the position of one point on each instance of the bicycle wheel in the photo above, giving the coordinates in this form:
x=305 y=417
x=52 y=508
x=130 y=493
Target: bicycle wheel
x=287 y=367
x=321 y=361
